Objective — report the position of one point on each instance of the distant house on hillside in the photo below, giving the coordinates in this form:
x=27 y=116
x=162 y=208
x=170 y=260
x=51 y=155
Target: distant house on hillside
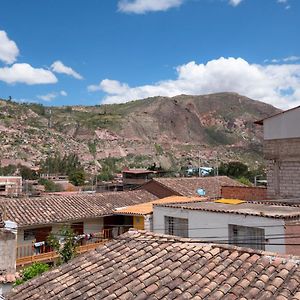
x=165 y=187
x=282 y=152
x=133 y=178
x=10 y=186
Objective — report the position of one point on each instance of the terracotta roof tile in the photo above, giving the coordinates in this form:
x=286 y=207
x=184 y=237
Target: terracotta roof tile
x=53 y=209
x=164 y=272
x=187 y=186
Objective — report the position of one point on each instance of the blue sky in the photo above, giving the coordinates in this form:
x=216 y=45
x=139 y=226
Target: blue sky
x=90 y=52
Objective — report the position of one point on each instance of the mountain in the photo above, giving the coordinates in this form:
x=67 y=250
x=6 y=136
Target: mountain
x=168 y=131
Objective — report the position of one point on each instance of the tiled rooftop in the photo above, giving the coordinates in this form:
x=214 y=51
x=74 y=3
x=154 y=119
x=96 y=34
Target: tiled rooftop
x=53 y=209
x=246 y=208
x=141 y=265
x=147 y=208
x=187 y=186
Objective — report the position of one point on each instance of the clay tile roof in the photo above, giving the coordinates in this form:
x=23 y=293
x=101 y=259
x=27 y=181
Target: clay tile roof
x=147 y=208
x=188 y=186
x=143 y=265
x=241 y=208
x=54 y=209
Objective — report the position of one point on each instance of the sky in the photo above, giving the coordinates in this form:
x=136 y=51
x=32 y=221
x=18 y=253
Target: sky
x=87 y=52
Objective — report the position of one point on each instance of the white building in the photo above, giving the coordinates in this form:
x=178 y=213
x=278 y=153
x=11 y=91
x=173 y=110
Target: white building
x=267 y=227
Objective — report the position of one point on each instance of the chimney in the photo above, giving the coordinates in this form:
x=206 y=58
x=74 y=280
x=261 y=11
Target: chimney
x=8 y=247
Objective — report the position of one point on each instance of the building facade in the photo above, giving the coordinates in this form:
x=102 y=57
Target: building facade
x=282 y=153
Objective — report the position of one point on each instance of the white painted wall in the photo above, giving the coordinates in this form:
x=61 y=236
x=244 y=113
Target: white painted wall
x=205 y=225
x=283 y=126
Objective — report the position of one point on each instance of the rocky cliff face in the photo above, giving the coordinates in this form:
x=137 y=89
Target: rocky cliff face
x=160 y=129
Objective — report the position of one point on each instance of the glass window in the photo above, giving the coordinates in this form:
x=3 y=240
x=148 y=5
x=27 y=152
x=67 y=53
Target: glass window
x=244 y=236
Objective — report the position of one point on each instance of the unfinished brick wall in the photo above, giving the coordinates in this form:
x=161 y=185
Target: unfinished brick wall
x=244 y=193
x=283 y=167
x=292 y=239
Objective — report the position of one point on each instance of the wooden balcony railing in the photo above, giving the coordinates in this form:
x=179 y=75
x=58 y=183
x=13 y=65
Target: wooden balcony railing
x=52 y=255
x=27 y=254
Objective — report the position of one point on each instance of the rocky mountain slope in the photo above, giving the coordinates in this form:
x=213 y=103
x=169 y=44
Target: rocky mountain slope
x=168 y=131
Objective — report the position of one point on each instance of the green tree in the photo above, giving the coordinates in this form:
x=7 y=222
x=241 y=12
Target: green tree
x=64 y=243
x=32 y=271
x=27 y=173
x=50 y=186
x=233 y=169
x=77 y=177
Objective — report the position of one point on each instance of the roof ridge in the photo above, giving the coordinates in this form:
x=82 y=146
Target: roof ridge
x=271 y=255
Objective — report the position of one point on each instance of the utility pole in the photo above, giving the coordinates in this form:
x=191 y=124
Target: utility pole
x=199 y=164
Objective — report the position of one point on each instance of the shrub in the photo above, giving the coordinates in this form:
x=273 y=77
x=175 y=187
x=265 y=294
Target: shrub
x=31 y=272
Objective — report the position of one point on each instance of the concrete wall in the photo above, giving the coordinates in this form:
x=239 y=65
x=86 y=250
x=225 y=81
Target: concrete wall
x=283 y=126
x=205 y=225
x=7 y=251
x=244 y=193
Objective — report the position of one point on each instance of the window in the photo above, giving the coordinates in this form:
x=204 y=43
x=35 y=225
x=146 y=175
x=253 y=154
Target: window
x=2 y=188
x=176 y=226
x=244 y=236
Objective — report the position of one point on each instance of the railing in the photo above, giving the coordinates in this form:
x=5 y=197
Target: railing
x=52 y=255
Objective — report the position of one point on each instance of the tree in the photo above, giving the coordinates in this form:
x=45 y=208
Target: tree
x=32 y=271
x=27 y=173
x=77 y=177
x=233 y=169
x=64 y=243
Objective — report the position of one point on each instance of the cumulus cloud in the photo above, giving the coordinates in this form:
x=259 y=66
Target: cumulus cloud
x=278 y=85
x=59 y=67
x=47 y=97
x=25 y=73
x=144 y=6
x=8 y=49
x=235 y=2
x=51 y=96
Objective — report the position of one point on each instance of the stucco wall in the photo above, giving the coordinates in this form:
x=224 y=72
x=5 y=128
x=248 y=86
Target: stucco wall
x=206 y=225
x=283 y=126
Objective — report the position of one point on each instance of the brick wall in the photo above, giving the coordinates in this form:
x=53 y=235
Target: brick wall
x=283 y=167
x=244 y=193
x=292 y=239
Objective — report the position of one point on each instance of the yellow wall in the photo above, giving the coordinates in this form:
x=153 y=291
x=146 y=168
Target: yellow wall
x=138 y=222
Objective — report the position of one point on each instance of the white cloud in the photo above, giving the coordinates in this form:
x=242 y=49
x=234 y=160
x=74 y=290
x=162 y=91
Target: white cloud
x=47 y=97
x=59 y=67
x=63 y=93
x=291 y=58
x=235 y=2
x=25 y=73
x=51 y=96
x=8 y=49
x=278 y=85
x=143 y=6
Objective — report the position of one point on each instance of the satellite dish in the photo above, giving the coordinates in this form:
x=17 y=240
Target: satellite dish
x=201 y=192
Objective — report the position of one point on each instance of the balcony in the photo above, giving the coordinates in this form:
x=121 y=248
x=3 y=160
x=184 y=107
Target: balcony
x=27 y=255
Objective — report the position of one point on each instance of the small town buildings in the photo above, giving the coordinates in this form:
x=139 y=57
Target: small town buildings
x=141 y=265
x=188 y=186
x=282 y=153
x=133 y=178
x=10 y=186
x=142 y=213
x=85 y=213
x=265 y=226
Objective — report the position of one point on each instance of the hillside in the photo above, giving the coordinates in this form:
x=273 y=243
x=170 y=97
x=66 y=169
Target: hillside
x=168 y=131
